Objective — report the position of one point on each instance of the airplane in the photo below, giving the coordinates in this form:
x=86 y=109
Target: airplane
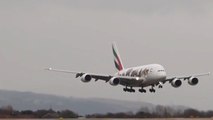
x=152 y=75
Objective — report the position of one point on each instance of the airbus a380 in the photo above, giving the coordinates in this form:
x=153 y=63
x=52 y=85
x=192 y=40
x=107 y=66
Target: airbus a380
x=152 y=75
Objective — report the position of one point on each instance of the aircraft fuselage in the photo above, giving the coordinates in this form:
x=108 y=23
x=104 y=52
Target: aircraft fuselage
x=147 y=75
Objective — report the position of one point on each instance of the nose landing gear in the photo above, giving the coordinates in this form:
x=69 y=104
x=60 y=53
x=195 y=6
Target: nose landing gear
x=160 y=85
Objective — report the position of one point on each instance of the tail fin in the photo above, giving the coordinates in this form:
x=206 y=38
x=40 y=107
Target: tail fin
x=117 y=59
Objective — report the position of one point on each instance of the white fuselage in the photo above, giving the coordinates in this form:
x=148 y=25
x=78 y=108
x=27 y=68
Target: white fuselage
x=147 y=75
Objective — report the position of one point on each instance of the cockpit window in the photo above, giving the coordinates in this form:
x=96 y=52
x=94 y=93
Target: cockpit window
x=160 y=70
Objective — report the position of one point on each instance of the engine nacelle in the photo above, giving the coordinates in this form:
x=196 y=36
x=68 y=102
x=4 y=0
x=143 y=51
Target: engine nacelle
x=86 y=78
x=114 y=81
x=176 y=83
x=193 y=81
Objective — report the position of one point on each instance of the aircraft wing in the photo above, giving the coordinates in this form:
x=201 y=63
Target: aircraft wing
x=187 y=77
x=124 y=79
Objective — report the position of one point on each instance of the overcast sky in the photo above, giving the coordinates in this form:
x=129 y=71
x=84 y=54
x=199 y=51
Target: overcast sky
x=77 y=35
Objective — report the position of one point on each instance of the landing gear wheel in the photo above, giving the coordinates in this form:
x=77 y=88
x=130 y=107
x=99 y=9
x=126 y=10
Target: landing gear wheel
x=132 y=90
x=124 y=89
x=152 y=90
x=142 y=90
x=160 y=86
x=128 y=90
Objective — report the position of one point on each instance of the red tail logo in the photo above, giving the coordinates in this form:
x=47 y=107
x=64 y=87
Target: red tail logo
x=117 y=60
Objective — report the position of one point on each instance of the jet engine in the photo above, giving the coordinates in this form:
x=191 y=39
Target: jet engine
x=176 y=83
x=114 y=81
x=193 y=81
x=86 y=78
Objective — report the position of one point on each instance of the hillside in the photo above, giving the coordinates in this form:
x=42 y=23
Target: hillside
x=34 y=101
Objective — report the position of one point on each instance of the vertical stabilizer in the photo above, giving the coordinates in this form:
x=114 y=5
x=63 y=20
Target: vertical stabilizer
x=117 y=59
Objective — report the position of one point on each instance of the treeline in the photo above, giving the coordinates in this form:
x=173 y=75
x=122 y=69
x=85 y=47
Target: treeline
x=9 y=112
x=157 y=112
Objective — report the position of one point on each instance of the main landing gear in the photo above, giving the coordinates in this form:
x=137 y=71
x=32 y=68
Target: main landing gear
x=142 y=90
x=128 y=89
x=152 y=89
